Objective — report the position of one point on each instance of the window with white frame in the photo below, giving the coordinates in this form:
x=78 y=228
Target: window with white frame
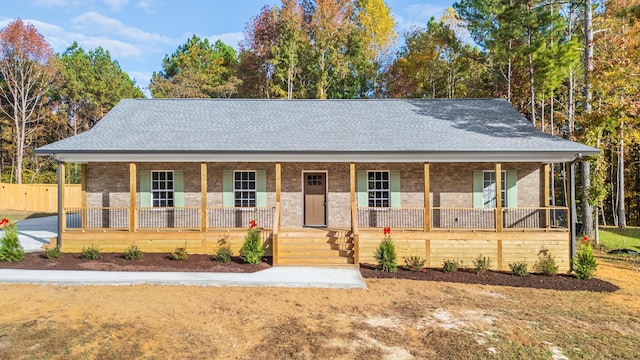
x=162 y=188
x=244 y=188
x=378 y=189
x=489 y=189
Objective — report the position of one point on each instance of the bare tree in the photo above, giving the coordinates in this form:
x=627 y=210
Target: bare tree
x=26 y=73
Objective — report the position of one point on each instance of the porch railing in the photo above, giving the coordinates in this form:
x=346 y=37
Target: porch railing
x=154 y=218
x=240 y=217
x=463 y=218
x=536 y=218
x=168 y=218
x=114 y=218
x=399 y=218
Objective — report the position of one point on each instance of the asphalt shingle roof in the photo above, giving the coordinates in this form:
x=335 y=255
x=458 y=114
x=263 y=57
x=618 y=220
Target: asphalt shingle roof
x=216 y=125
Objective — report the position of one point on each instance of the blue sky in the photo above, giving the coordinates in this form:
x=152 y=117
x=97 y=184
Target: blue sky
x=139 y=33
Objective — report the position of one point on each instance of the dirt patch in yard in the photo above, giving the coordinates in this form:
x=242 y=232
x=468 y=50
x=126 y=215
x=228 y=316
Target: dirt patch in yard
x=393 y=319
x=467 y=276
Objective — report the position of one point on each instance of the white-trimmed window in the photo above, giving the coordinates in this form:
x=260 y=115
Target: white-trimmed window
x=162 y=188
x=244 y=188
x=378 y=189
x=489 y=189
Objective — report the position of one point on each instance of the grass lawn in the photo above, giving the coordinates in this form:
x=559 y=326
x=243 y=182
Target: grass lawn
x=613 y=238
x=15 y=215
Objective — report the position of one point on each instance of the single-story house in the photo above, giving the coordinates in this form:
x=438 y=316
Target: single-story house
x=453 y=179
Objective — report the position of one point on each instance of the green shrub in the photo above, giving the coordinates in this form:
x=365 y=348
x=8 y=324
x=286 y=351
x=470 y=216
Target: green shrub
x=386 y=255
x=222 y=255
x=450 y=266
x=90 y=253
x=415 y=263
x=519 y=268
x=482 y=264
x=180 y=253
x=132 y=253
x=252 y=250
x=10 y=248
x=547 y=265
x=52 y=253
x=584 y=263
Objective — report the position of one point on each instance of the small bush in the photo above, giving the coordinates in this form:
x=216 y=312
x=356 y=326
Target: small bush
x=415 y=263
x=52 y=253
x=482 y=264
x=132 y=253
x=584 y=263
x=180 y=253
x=10 y=248
x=547 y=265
x=90 y=253
x=386 y=255
x=519 y=268
x=223 y=255
x=450 y=266
x=252 y=250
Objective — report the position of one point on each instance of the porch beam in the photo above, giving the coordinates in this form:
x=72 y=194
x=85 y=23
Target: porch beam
x=499 y=225
x=83 y=195
x=573 y=215
x=203 y=197
x=427 y=198
x=62 y=217
x=132 y=197
x=276 y=225
x=546 y=196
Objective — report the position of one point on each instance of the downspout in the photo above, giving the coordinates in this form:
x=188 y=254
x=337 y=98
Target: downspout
x=572 y=201
x=60 y=178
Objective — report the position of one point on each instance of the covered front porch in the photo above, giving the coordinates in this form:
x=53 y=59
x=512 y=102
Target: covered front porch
x=433 y=232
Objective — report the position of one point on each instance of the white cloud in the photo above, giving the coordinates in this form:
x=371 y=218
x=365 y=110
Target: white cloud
x=146 y=4
x=60 y=39
x=231 y=39
x=61 y=3
x=418 y=16
x=93 y=22
x=51 y=3
x=117 y=48
x=116 y=4
x=142 y=78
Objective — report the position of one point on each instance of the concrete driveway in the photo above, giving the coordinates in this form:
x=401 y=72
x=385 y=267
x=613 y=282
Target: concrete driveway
x=33 y=233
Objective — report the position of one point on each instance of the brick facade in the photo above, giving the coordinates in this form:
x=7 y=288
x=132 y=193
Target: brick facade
x=451 y=185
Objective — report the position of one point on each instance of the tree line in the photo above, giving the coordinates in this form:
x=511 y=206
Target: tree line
x=571 y=67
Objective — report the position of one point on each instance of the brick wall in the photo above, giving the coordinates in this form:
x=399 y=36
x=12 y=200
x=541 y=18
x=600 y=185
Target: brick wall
x=451 y=185
x=338 y=197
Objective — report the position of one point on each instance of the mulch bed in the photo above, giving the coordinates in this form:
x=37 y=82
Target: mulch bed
x=203 y=263
x=148 y=262
x=467 y=276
